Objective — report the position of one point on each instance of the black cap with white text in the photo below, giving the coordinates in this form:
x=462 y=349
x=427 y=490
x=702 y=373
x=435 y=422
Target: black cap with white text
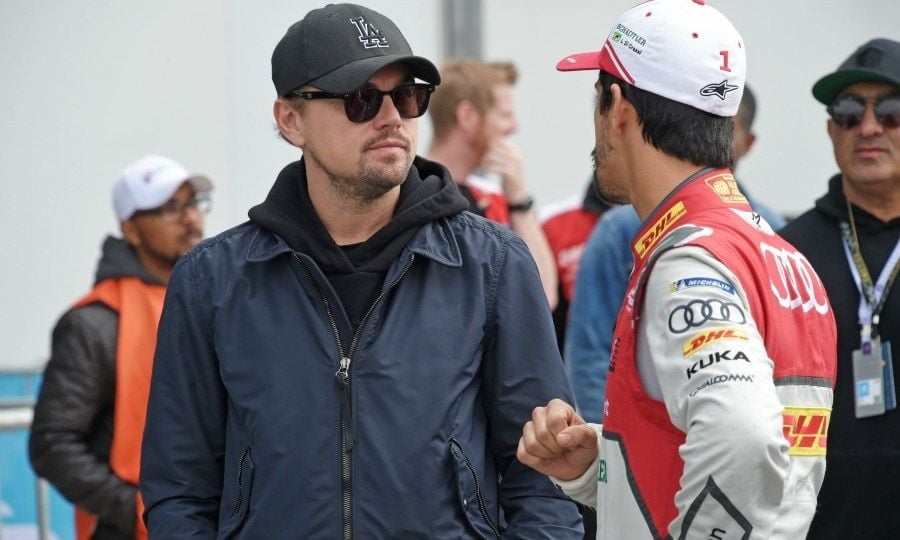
x=339 y=47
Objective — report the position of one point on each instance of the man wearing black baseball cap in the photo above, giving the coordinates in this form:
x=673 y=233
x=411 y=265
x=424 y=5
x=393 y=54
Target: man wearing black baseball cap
x=356 y=360
x=852 y=239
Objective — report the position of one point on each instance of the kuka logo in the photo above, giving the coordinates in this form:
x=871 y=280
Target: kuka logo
x=658 y=229
x=806 y=430
x=715 y=334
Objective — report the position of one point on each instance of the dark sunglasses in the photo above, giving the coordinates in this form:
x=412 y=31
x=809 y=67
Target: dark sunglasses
x=362 y=105
x=848 y=111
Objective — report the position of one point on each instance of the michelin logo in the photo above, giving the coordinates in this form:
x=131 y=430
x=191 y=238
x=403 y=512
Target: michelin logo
x=687 y=283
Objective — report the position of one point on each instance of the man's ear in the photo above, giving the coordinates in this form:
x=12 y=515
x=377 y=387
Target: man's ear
x=289 y=122
x=468 y=117
x=751 y=140
x=621 y=112
x=130 y=233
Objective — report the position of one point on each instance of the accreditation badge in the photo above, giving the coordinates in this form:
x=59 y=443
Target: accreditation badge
x=869 y=380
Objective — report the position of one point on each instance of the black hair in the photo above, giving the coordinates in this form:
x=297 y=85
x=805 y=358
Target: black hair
x=676 y=129
x=747 y=110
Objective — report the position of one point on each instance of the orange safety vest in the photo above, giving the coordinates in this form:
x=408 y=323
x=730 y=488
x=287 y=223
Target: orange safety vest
x=139 y=306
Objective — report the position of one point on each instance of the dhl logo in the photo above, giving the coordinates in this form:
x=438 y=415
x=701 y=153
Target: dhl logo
x=806 y=430
x=726 y=188
x=715 y=334
x=656 y=231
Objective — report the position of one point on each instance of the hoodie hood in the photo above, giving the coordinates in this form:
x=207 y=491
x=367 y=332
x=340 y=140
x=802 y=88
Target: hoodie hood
x=118 y=260
x=834 y=205
x=427 y=194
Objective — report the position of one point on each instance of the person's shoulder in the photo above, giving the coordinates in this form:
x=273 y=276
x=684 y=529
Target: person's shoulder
x=231 y=246
x=621 y=216
x=88 y=316
x=237 y=235
x=92 y=322
x=806 y=226
x=221 y=254
x=472 y=227
x=560 y=209
x=616 y=226
x=483 y=186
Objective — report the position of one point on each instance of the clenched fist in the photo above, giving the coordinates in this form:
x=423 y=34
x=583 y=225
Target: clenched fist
x=557 y=442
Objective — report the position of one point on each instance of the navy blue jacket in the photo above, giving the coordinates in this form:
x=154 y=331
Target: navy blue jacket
x=244 y=438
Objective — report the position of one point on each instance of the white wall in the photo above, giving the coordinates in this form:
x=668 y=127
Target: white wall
x=87 y=87
x=790 y=45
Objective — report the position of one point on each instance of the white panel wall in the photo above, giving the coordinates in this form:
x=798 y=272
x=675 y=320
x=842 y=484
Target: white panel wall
x=790 y=45
x=86 y=87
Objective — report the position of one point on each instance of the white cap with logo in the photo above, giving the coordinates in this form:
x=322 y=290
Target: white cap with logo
x=683 y=50
x=150 y=182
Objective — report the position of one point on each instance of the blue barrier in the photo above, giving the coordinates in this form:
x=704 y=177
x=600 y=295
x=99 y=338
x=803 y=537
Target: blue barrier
x=18 y=493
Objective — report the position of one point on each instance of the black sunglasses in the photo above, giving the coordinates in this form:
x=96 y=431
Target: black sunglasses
x=848 y=111
x=362 y=105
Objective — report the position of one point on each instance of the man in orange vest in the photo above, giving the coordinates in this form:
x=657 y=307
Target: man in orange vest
x=89 y=417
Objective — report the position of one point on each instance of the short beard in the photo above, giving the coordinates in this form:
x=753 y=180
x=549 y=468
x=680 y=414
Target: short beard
x=370 y=182
x=605 y=190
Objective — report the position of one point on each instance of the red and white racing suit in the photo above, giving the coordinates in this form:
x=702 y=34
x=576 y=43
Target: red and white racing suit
x=721 y=376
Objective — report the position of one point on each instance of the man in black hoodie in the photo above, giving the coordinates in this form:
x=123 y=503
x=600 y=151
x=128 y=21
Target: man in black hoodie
x=357 y=360
x=852 y=240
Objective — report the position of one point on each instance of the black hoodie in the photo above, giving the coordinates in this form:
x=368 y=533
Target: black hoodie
x=863 y=462
x=119 y=260
x=357 y=272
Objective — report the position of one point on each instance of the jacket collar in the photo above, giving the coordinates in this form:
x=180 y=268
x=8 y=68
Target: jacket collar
x=434 y=240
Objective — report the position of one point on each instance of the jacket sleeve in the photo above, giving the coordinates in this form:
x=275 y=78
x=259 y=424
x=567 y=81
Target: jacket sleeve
x=700 y=350
x=522 y=369
x=184 y=437
x=599 y=290
x=71 y=431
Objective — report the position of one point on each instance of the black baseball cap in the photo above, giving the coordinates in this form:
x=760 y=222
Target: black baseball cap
x=337 y=49
x=876 y=61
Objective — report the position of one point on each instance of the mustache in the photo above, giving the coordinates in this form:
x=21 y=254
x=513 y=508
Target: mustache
x=389 y=136
x=192 y=232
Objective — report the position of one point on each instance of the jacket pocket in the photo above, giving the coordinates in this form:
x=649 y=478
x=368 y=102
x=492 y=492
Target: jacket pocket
x=469 y=495
x=244 y=480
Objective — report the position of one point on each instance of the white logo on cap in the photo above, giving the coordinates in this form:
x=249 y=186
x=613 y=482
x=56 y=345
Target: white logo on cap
x=369 y=36
x=718 y=89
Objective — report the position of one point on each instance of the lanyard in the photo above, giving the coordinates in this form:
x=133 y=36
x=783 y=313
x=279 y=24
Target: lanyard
x=872 y=296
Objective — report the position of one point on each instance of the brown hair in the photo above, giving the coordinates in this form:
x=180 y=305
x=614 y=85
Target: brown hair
x=467 y=80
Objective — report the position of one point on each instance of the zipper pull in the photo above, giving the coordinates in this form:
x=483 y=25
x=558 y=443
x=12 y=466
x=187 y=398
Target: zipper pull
x=343 y=377
x=344 y=371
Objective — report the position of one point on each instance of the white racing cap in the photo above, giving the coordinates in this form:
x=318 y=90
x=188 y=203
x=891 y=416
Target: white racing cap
x=683 y=50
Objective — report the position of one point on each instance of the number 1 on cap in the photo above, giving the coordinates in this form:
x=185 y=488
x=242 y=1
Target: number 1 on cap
x=724 y=66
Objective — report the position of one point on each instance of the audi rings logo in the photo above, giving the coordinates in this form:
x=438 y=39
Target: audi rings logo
x=699 y=312
x=793 y=281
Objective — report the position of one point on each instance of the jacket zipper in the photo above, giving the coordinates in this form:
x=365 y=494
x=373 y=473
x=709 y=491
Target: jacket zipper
x=343 y=378
x=240 y=474
x=481 y=506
